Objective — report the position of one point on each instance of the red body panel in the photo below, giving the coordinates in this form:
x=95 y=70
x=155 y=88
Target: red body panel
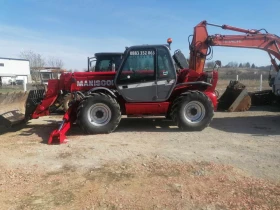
x=146 y=108
x=210 y=91
x=78 y=81
x=213 y=98
x=50 y=97
x=188 y=75
x=65 y=81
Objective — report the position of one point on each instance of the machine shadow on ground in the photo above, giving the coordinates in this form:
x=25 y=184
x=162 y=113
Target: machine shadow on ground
x=126 y=125
x=147 y=125
x=44 y=131
x=261 y=125
x=254 y=125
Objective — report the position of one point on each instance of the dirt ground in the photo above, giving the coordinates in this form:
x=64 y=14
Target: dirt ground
x=145 y=164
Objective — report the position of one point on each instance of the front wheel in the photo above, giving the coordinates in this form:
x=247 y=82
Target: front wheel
x=193 y=111
x=99 y=113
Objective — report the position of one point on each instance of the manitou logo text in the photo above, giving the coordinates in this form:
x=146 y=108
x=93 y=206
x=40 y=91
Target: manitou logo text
x=93 y=83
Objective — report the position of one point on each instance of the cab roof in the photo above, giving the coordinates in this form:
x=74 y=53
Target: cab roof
x=147 y=46
x=108 y=53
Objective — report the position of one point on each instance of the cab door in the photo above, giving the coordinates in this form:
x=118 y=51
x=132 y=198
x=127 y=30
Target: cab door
x=136 y=79
x=147 y=74
x=166 y=74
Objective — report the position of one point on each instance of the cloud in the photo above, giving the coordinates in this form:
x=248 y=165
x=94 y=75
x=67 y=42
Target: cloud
x=75 y=50
x=72 y=50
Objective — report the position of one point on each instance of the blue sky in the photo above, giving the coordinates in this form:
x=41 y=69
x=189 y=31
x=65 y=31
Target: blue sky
x=74 y=30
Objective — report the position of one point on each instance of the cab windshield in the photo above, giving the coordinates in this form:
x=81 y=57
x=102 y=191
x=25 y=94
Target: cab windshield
x=105 y=63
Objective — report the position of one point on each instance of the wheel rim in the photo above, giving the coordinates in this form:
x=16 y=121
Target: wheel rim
x=99 y=114
x=194 y=112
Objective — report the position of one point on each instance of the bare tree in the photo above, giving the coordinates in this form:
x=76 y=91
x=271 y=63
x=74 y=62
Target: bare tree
x=36 y=62
x=232 y=64
x=235 y=64
x=210 y=64
x=55 y=62
x=247 y=65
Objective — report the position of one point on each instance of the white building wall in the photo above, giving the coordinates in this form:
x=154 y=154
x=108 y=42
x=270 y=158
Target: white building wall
x=6 y=80
x=19 y=68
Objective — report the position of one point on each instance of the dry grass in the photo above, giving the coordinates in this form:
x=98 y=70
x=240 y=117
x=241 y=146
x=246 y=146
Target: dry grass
x=251 y=85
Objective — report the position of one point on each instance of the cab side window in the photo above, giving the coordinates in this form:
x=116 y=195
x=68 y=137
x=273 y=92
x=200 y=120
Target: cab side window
x=165 y=65
x=138 y=67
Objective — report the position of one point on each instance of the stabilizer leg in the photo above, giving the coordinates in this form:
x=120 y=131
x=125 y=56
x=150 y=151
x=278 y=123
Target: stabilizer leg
x=59 y=135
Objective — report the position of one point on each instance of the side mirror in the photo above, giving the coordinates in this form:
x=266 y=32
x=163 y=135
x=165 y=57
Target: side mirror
x=113 y=67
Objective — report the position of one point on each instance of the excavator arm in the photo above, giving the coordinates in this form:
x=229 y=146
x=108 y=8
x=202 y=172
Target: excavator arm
x=202 y=43
x=268 y=43
x=235 y=98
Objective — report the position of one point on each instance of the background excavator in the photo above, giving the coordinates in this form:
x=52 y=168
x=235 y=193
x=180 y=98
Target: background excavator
x=236 y=97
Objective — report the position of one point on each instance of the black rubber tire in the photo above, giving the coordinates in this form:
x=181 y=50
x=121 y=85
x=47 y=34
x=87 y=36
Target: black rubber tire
x=178 y=116
x=84 y=106
x=66 y=100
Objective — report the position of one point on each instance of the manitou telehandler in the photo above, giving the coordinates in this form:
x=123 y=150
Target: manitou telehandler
x=146 y=84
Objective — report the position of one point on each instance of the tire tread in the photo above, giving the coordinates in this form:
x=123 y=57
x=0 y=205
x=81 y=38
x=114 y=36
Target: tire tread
x=83 y=123
x=175 y=110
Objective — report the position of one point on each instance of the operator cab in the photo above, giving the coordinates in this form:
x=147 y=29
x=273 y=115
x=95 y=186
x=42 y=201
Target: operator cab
x=105 y=61
x=147 y=74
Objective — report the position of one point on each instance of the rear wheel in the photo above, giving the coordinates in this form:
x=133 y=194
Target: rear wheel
x=99 y=113
x=193 y=111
